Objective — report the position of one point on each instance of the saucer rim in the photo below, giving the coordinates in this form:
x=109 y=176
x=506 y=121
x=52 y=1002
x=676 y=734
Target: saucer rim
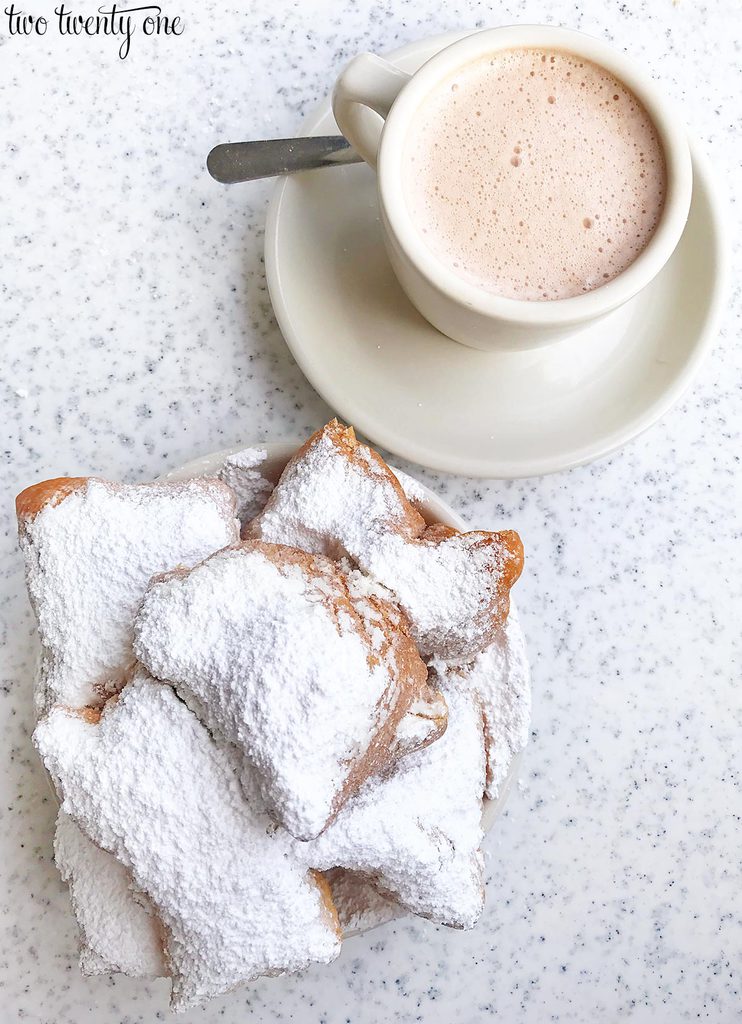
x=496 y=467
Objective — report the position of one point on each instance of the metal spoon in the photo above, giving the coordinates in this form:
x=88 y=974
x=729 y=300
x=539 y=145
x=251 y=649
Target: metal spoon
x=247 y=161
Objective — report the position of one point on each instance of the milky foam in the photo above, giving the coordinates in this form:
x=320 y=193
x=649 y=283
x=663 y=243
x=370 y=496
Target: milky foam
x=534 y=174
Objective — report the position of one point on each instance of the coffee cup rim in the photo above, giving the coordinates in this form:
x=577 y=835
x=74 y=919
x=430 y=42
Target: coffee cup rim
x=551 y=312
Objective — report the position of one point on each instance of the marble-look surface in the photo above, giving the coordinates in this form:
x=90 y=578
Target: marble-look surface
x=137 y=333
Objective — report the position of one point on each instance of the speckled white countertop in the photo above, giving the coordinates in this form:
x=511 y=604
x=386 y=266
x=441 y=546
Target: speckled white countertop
x=137 y=333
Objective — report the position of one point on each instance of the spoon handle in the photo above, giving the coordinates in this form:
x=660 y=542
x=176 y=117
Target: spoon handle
x=247 y=161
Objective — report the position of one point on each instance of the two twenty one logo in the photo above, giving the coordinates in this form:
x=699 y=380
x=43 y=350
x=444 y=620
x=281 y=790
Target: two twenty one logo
x=119 y=22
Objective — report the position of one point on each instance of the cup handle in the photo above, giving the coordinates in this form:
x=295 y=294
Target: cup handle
x=367 y=83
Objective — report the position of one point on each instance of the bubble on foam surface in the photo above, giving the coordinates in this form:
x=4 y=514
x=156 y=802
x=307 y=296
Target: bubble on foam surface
x=535 y=175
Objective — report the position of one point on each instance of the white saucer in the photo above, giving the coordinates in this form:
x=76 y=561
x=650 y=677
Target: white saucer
x=400 y=382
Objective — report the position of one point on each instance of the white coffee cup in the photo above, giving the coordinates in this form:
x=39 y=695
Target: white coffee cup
x=374 y=103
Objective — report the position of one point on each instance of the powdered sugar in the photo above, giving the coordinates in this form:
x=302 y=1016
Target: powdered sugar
x=338 y=497
x=413 y=491
x=89 y=559
x=242 y=473
x=418 y=831
x=150 y=785
x=330 y=501
x=501 y=678
x=275 y=655
x=451 y=589
x=118 y=927
x=425 y=721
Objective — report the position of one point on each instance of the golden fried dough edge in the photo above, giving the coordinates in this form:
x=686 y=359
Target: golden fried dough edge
x=52 y=492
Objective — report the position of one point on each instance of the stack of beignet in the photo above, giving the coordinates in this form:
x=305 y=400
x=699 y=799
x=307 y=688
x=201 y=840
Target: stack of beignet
x=271 y=713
